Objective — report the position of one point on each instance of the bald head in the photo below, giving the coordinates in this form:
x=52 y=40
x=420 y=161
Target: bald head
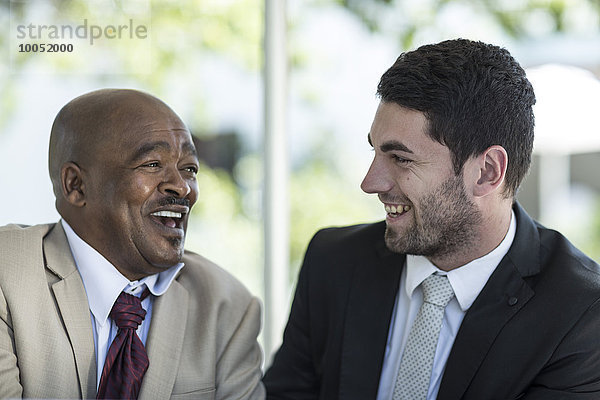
x=93 y=120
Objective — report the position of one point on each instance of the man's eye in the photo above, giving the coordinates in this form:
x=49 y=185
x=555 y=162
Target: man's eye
x=153 y=164
x=399 y=160
x=192 y=169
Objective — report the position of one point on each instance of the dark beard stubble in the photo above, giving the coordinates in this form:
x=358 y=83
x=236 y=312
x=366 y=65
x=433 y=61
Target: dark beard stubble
x=447 y=224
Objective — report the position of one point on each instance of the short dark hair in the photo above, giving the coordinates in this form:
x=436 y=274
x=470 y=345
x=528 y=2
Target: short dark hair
x=474 y=95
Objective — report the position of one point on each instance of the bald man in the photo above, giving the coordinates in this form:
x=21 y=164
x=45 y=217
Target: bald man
x=123 y=168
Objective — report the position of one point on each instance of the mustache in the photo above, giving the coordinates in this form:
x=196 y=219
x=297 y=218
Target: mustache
x=170 y=200
x=386 y=198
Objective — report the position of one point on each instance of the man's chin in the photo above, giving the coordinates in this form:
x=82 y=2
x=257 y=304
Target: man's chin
x=168 y=262
x=393 y=240
x=400 y=242
x=166 y=258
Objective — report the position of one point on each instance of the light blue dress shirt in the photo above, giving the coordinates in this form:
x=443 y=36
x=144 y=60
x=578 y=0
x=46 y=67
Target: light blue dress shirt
x=103 y=284
x=467 y=282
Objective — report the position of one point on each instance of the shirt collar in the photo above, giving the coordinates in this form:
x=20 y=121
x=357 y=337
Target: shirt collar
x=467 y=281
x=103 y=282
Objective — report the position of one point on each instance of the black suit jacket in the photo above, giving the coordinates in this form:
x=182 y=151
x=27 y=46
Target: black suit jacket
x=532 y=333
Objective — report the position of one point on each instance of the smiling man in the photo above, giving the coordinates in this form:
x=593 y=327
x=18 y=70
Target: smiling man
x=458 y=294
x=107 y=303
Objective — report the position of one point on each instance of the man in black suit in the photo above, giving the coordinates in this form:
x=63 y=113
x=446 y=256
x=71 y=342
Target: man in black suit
x=452 y=141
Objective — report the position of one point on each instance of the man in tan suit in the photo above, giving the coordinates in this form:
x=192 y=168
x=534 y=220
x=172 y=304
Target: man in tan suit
x=123 y=168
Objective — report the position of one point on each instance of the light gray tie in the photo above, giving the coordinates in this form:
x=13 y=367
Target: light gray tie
x=412 y=381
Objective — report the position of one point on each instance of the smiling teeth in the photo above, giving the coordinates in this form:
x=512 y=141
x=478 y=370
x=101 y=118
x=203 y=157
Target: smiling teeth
x=170 y=214
x=396 y=210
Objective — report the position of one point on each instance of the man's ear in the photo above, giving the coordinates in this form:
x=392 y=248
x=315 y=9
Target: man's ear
x=492 y=164
x=72 y=184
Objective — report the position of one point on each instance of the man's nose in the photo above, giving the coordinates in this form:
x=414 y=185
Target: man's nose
x=174 y=184
x=377 y=179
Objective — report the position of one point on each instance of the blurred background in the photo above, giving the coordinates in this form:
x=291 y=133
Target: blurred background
x=209 y=60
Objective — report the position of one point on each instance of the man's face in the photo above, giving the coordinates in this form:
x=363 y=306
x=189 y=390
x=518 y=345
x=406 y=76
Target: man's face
x=140 y=185
x=428 y=210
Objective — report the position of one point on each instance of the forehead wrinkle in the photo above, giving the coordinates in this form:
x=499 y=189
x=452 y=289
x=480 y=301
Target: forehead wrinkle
x=148 y=128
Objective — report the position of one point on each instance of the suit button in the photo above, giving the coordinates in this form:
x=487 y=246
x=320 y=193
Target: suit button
x=512 y=301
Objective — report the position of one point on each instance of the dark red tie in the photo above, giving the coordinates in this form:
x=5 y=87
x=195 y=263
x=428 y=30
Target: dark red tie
x=126 y=361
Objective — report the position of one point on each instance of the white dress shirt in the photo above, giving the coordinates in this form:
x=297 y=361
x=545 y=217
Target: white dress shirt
x=467 y=282
x=103 y=284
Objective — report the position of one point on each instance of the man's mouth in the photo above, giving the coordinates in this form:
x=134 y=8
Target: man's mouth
x=396 y=210
x=170 y=219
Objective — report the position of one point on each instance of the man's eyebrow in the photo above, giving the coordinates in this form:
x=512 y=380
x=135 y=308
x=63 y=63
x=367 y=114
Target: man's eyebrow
x=189 y=148
x=391 y=146
x=146 y=148
x=394 y=145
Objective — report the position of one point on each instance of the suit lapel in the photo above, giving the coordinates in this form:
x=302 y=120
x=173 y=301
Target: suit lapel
x=165 y=342
x=494 y=307
x=73 y=306
x=370 y=305
x=505 y=293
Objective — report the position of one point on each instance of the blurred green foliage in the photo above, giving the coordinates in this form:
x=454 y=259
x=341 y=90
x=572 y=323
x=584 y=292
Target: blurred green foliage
x=587 y=238
x=592 y=248
x=221 y=230
x=321 y=197
x=516 y=18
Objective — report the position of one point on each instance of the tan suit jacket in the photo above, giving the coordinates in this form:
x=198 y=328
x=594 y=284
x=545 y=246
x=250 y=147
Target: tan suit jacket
x=201 y=343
